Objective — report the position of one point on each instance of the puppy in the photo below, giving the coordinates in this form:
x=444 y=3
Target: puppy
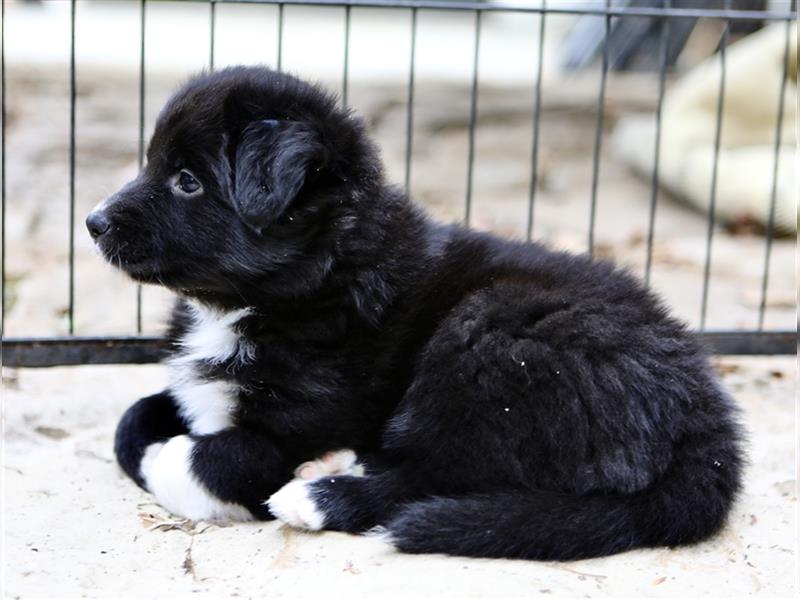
x=339 y=361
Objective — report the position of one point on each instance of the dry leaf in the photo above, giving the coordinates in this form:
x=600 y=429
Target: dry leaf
x=154 y=522
x=55 y=433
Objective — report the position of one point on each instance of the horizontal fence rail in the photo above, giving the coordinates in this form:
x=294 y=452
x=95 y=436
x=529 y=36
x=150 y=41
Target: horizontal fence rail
x=76 y=350
x=139 y=349
x=593 y=9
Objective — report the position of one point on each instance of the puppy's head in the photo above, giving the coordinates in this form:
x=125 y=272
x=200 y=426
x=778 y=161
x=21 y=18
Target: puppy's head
x=251 y=178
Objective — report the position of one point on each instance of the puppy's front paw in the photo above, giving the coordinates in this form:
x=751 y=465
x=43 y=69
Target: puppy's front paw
x=335 y=462
x=294 y=505
x=148 y=460
x=168 y=474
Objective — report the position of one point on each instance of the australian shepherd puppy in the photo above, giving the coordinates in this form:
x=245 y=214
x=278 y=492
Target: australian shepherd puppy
x=340 y=361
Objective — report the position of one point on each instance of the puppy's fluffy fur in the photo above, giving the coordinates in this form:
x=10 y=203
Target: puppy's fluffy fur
x=504 y=400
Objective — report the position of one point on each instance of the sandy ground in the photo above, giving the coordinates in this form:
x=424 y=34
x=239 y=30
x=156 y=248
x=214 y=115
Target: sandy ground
x=75 y=527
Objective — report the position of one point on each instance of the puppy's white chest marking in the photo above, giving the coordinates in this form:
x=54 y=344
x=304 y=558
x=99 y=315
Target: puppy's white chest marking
x=206 y=406
x=212 y=338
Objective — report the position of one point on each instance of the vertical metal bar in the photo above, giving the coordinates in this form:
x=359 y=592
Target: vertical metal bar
x=72 y=97
x=346 y=60
x=213 y=33
x=651 y=223
x=3 y=167
x=141 y=137
x=712 y=206
x=472 y=118
x=537 y=110
x=598 y=134
x=770 y=233
x=410 y=100
x=280 y=37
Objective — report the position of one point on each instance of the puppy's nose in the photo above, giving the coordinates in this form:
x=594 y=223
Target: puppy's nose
x=97 y=224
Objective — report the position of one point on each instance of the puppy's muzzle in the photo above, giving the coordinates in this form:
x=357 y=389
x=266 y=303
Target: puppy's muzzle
x=97 y=223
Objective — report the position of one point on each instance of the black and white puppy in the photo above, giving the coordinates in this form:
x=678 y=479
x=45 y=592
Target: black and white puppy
x=339 y=361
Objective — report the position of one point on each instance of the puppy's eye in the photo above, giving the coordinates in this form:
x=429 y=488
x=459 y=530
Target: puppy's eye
x=187 y=183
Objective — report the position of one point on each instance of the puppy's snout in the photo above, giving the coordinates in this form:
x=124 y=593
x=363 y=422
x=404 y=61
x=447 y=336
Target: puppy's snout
x=97 y=223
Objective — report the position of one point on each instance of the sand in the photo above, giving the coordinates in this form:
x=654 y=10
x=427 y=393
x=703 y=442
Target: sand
x=76 y=527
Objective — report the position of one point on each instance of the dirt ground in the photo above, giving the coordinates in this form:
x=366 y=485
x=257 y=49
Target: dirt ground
x=76 y=527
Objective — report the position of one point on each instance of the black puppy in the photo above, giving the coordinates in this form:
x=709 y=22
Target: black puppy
x=501 y=399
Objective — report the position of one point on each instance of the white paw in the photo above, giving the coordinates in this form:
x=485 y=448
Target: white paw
x=148 y=460
x=335 y=462
x=293 y=505
x=167 y=473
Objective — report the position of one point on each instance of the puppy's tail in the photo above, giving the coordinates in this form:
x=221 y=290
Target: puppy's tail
x=688 y=503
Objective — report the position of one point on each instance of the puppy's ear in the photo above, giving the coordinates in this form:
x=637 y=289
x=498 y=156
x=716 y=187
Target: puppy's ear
x=273 y=159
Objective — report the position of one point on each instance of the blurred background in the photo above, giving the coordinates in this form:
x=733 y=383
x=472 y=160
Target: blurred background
x=593 y=162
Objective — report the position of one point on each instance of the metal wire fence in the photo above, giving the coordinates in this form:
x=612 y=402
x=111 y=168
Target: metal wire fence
x=73 y=349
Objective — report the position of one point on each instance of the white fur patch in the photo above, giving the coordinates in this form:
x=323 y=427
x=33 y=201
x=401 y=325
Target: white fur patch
x=380 y=533
x=206 y=405
x=166 y=470
x=149 y=457
x=212 y=337
x=293 y=505
x=336 y=462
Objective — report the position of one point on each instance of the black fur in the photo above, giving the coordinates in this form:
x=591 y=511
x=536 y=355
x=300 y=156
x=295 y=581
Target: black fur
x=516 y=402
x=151 y=420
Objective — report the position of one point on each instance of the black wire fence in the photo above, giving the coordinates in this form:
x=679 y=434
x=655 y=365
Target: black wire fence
x=73 y=349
